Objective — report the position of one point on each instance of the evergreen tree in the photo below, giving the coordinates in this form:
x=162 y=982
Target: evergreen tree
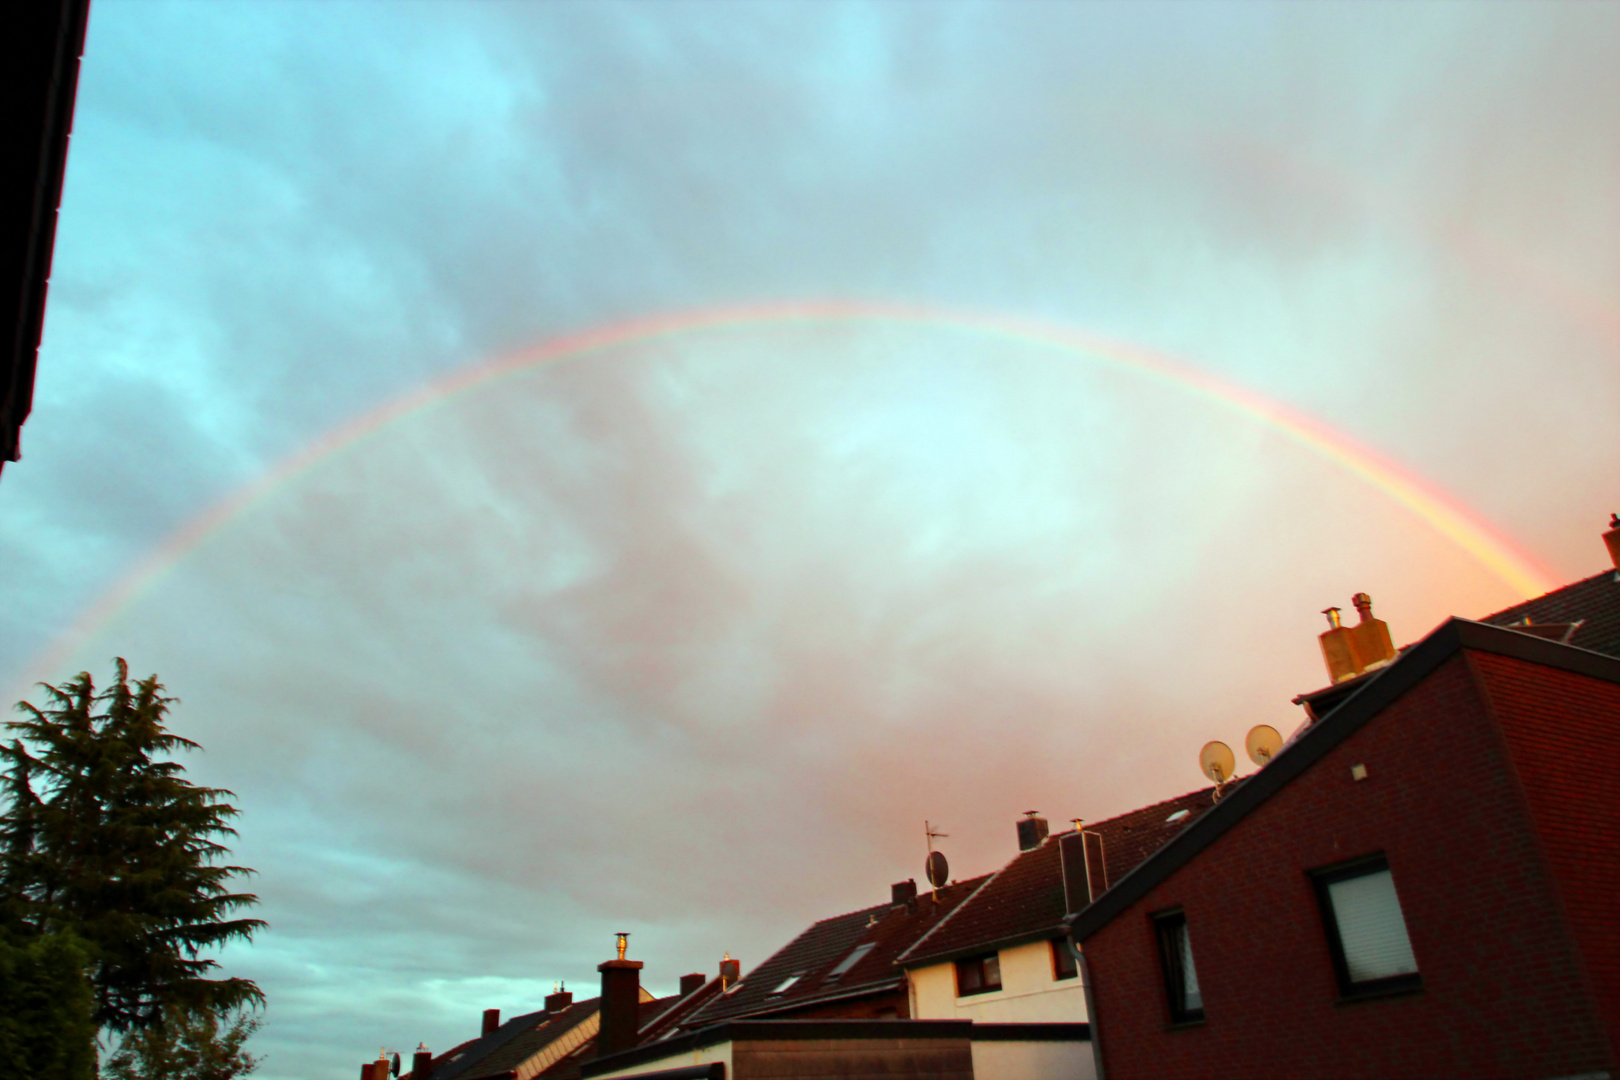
x=103 y=837
x=46 y=1006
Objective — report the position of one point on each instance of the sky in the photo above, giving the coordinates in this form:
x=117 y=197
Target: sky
x=687 y=633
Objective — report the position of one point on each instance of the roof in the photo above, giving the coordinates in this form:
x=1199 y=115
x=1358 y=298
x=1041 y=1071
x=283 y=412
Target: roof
x=45 y=41
x=1315 y=742
x=658 y=1019
x=1593 y=602
x=889 y=929
x=511 y=1044
x=1025 y=900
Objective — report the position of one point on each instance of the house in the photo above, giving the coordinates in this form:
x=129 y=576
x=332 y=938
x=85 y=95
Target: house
x=842 y=967
x=1003 y=954
x=1421 y=883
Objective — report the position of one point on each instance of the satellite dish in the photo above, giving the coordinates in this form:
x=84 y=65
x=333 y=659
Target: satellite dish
x=1263 y=743
x=1217 y=762
x=938 y=870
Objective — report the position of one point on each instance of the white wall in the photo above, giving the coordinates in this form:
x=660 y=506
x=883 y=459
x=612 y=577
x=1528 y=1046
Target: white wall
x=702 y=1056
x=1028 y=994
x=1033 y=1061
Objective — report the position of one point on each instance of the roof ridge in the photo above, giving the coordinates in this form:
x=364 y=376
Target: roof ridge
x=965 y=901
x=1149 y=806
x=1611 y=573
x=847 y=914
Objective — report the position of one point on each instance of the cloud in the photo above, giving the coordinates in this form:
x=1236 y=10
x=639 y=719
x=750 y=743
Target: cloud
x=690 y=637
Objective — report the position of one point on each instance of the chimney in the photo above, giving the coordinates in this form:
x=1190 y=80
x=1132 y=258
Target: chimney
x=376 y=1070
x=1349 y=651
x=559 y=999
x=692 y=983
x=730 y=971
x=903 y=892
x=621 y=1002
x=421 y=1062
x=1084 y=875
x=492 y=1020
x=1031 y=831
x=1612 y=539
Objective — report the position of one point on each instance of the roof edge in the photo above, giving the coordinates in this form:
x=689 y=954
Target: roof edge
x=873 y=986
x=1406 y=672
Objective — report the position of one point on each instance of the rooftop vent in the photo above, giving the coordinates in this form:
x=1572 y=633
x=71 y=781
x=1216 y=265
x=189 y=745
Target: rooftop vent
x=1349 y=651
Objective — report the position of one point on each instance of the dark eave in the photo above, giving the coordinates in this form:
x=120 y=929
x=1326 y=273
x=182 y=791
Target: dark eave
x=1409 y=669
x=44 y=39
x=1028 y=937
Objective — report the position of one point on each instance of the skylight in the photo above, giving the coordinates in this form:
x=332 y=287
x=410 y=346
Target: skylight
x=787 y=982
x=850 y=961
x=1177 y=816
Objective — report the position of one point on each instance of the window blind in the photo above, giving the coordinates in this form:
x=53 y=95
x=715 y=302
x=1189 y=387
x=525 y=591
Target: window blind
x=1371 y=928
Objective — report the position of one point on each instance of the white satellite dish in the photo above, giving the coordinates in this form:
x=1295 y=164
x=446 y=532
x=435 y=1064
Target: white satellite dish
x=1217 y=761
x=1263 y=743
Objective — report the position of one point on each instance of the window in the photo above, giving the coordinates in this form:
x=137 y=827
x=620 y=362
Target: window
x=1365 y=929
x=1064 y=965
x=978 y=975
x=1180 y=976
x=786 y=984
x=850 y=961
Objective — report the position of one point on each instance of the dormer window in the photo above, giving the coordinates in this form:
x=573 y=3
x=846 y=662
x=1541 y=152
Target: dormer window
x=850 y=961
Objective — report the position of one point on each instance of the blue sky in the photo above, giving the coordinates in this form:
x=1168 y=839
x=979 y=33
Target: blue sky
x=690 y=637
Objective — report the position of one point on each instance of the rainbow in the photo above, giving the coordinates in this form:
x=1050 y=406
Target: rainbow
x=1496 y=552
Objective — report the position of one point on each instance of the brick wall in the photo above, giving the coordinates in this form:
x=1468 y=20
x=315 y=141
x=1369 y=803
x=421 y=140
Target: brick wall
x=1563 y=733
x=1504 y=992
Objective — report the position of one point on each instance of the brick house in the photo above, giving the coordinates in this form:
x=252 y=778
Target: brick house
x=1422 y=883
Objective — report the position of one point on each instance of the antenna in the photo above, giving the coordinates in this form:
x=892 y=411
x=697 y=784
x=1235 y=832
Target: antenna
x=1216 y=760
x=1262 y=744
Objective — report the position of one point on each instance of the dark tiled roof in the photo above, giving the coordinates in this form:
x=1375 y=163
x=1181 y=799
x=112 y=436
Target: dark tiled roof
x=1025 y=899
x=1596 y=600
x=511 y=1044
x=889 y=928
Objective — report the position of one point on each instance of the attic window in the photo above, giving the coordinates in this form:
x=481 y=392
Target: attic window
x=786 y=983
x=850 y=961
x=1177 y=816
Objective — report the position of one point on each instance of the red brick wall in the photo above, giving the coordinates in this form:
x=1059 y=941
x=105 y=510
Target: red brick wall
x=1563 y=732
x=1503 y=992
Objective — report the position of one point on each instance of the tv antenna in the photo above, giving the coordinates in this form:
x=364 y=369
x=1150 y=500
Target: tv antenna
x=1262 y=744
x=1217 y=762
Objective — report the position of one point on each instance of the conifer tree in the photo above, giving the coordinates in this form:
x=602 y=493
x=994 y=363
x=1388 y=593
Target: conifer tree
x=103 y=837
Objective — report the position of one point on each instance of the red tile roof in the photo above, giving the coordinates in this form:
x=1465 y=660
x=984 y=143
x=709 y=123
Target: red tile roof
x=889 y=929
x=1025 y=901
